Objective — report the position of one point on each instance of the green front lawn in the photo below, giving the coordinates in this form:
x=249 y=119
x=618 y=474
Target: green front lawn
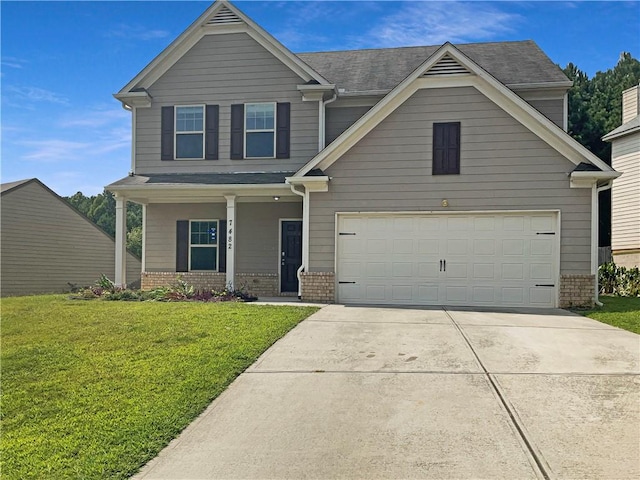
x=621 y=312
x=94 y=389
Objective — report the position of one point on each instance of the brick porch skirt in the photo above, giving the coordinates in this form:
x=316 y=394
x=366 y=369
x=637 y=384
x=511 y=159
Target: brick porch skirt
x=258 y=284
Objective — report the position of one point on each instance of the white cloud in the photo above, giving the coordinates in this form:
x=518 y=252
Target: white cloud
x=12 y=62
x=434 y=23
x=96 y=118
x=136 y=32
x=16 y=95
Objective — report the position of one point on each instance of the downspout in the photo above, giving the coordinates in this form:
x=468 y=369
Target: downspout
x=131 y=109
x=321 y=120
x=594 y=234
x=305 y=238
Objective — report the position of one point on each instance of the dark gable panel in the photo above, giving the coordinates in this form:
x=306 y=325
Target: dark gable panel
x=237 y=131
x=283 y=130
x=166 y=127
x=212 y=121
x=182 y=246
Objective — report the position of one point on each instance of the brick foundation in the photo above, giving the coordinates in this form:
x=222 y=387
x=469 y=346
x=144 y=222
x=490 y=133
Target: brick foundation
x=258 y=284
x=577 y=290
x=200 y=280
x=318 y=287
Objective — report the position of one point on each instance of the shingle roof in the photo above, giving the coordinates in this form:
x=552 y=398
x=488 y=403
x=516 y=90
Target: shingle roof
x=5 y=187
x=254 y=178
x=624 y=129
x=382 y=69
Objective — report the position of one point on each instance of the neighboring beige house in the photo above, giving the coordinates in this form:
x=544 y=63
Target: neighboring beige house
x=46 y=244
x=410 y=176
x=625 y=195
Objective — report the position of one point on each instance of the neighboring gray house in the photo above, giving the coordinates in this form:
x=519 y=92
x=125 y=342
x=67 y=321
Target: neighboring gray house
x=419 y=175
x=625 y=195
x=46 y=244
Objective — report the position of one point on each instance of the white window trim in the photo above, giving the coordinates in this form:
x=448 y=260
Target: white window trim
x=176 y=133
x=275 y=119
x=217 y=245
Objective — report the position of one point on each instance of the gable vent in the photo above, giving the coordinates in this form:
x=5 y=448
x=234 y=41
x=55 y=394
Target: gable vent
x=446 y=66
x=224 y=17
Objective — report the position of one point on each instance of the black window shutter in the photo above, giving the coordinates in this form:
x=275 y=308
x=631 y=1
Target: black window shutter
x=222 y=246
x=211 y=134
x=283 y=127
x=166 y=127
x=182 y=246
x=446 y=148
x=237 y=131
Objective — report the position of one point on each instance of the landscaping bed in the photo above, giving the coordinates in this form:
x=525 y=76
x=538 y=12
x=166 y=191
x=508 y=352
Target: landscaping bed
x=96 y=389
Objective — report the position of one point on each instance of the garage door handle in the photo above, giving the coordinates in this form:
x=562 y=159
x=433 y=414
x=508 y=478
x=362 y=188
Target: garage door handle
x=444 y=264
x=440 y=265
x=341 y=283
x=545 y=285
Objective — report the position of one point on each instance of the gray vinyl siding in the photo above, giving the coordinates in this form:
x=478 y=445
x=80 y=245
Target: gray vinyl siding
x=503 y=167
x=552 y=108
x=224 y=70
x=46 y=245
x=625 y=196
x=257 y=234
x=338 y=119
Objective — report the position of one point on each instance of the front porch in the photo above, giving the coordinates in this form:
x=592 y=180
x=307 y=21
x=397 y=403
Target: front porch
x=217 y=235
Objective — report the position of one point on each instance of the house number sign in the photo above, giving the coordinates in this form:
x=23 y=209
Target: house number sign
x=229 y=236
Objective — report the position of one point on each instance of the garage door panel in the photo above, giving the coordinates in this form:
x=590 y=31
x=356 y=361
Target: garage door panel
x=482 y=259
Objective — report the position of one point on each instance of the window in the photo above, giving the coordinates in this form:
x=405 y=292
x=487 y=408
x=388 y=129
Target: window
x=446 y=148
x=190 y=132
x=203 y=245
x=260 y=130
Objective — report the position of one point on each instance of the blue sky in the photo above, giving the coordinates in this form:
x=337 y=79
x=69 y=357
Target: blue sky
x=62 y=61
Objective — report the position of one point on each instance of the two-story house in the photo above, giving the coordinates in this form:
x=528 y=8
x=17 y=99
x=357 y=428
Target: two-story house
x=421 y=175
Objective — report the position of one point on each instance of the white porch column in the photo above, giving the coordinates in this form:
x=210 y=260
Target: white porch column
x=121 y=241
x=231 y=239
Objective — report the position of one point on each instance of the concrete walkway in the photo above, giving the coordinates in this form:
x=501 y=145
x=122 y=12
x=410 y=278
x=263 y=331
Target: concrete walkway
x=375 y=393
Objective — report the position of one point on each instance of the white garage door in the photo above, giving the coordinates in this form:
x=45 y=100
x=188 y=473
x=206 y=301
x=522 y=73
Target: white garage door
x=500 y=259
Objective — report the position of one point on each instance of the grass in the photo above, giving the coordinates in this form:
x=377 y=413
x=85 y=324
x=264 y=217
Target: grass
x=621 y=312
x=94 y=389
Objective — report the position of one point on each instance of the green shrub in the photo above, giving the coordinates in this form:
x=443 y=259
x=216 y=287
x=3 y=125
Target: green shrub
x=620 y=281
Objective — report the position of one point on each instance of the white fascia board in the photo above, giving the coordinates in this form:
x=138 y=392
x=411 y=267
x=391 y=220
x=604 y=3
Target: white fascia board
x=200 y=190
x=134 y=99
x=198 y=29
x=311 y=184
x=588 y=179
x=481 y=80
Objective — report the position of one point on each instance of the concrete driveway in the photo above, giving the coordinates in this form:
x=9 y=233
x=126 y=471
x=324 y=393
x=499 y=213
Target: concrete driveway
x=373 y=393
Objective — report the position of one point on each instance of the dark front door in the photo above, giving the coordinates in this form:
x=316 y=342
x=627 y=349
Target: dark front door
x=291 y=255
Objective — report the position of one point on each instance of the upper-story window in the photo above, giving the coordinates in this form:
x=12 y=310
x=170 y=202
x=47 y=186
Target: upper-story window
x=446 y=148
x=190 y=132
x=260 y=132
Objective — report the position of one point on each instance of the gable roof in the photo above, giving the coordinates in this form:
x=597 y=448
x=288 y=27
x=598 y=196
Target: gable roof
x=512 y=63
x=477 y=77
x=220 y=17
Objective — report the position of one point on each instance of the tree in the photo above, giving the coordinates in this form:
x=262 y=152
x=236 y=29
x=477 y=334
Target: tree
x=101 y=210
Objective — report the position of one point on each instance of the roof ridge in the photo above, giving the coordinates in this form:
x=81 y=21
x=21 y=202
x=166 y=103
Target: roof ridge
x=406 y=47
